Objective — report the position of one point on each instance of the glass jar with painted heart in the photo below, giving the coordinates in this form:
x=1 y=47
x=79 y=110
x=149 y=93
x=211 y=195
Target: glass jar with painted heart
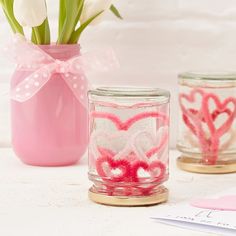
x=128 y=148
x=207 y=122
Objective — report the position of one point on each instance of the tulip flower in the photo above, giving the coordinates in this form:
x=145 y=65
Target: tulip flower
x=92 y=14
x=74 y=17
x=92 y=8
x=31 y=13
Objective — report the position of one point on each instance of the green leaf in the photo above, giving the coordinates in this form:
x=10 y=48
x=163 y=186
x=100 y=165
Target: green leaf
x=73 y=9
x=81 y=6
x=37 y=36
x=8 y=10
x=43 y=32
x=76 y=35
x=10 y=21
x=116 y=12
x=47 y=36
x=62 y=16
x=33 y=37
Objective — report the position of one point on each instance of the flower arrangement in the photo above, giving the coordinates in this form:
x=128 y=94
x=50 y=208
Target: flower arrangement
x=74 y=17
x=49 y=85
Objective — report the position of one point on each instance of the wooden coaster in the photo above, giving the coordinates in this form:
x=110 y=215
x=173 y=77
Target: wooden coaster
x=130 y=201
x=194 y=165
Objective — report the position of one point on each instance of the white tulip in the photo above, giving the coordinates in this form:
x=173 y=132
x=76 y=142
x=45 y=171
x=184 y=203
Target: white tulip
x=93 y=7
x=30 y=13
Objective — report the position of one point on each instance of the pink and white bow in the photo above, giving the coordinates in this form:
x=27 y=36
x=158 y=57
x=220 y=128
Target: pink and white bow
x=31 y=58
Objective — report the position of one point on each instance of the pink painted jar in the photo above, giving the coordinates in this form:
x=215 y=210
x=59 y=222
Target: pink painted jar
x=49 y=129
x=128 y=148
x=207 y=122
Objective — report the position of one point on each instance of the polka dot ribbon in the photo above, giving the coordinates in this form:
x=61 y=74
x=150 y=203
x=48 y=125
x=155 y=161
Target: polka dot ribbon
x=31 y=58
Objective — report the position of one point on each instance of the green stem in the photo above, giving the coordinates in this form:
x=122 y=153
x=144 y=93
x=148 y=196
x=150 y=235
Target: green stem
x=33 y=37
x=36 y=34
x=73 y=8
x=47 y=36
x=8 y=10
x=76 y=34
x=62 y=16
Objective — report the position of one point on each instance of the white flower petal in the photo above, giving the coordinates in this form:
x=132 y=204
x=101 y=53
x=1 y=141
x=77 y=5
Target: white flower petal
x=93 y=7
x=30 y=13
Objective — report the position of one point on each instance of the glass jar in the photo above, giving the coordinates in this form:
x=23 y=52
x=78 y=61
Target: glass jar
x=128 y=148
x=207 y=122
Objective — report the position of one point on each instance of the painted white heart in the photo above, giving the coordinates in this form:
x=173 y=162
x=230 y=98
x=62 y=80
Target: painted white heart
x=156 y=144
x=102 y=142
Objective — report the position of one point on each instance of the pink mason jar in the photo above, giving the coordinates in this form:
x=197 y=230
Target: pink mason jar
x=50 y=129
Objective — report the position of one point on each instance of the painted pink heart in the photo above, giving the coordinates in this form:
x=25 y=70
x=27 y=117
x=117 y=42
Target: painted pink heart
x=214 y=115
x=132 y=150
x=191 y=98
x=125 y=125
x=217 y=133
x=106 y=166
x=225 y=203
x=221 y=107
x=155 y=170
x=194 y=119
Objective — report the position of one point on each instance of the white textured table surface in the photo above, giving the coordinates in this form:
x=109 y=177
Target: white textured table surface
x=37 y=201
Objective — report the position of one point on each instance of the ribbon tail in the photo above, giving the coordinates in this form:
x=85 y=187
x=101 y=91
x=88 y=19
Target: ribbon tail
x=32 y=84
x=78 y=84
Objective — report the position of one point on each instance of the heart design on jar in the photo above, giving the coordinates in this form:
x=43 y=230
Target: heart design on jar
x=214 y=115
x=208 y=125
x=132 y=149
x=156 y=144
x=228 y=139
x=126 y=163
x=155 y=171
x=104 y=144
x=125 y=125
x=113 y=170
x=192 y=115
x=221 y=108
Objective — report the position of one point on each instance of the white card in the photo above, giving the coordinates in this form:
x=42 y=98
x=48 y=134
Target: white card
x=211 y=221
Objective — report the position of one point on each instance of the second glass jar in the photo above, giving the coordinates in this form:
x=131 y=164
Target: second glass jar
x=207 y=122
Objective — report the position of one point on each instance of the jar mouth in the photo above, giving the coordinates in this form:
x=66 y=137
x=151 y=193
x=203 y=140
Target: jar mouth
x=61 y=51
x=129 y=92
x=211 y=76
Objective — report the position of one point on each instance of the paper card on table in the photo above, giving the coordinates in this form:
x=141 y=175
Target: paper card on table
x=206 y=220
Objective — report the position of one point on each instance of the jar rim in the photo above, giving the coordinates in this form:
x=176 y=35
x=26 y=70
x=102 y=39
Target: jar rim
x=129 y=92
x=210 y=76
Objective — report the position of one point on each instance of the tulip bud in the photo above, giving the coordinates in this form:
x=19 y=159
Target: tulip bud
x=92 y=8
x=31 y=13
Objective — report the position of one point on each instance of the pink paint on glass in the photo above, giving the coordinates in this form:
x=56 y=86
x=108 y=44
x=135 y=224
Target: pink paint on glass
x=50 y=129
